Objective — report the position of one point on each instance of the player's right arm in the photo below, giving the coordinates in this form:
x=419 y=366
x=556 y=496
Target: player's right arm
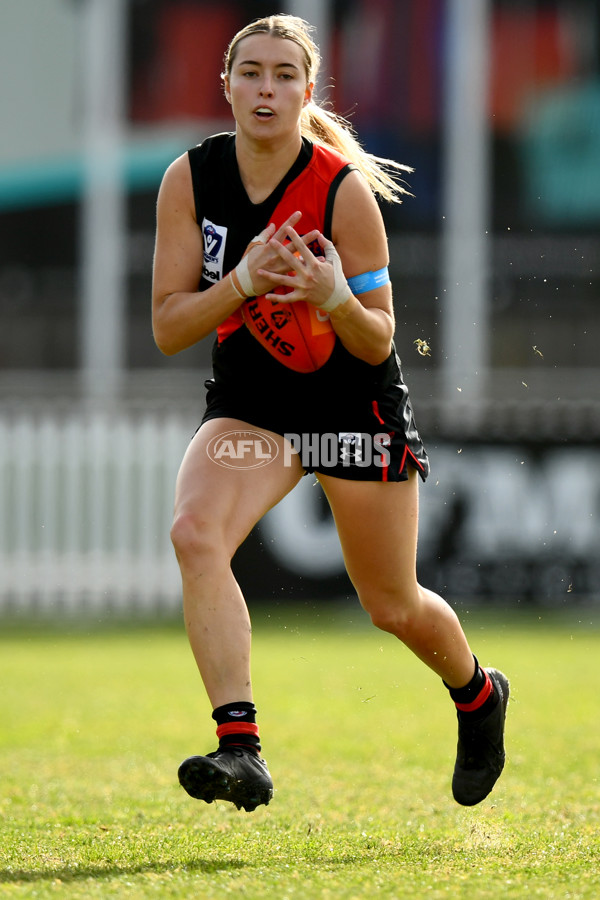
x=182 y=315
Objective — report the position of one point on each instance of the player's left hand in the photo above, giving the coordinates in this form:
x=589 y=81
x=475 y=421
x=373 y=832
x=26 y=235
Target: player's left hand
x=318 y=280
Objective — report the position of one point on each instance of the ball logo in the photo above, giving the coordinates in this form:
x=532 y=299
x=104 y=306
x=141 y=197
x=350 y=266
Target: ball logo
x=297 y=335
x=242 y=450
x=280 y=317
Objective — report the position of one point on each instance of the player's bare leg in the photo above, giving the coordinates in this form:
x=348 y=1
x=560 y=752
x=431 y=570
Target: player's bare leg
x=377 y=524
x=215 y=509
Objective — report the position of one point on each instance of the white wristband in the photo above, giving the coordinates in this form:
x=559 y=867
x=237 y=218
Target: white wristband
x=243 y=274
x=242 y=271
x=341 y=289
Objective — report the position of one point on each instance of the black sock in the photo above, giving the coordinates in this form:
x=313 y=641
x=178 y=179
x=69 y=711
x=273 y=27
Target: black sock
x=477 y=697
x=236 y=726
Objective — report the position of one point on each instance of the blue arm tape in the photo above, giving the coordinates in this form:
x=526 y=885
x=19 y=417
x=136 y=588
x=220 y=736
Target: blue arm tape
x=368 y=281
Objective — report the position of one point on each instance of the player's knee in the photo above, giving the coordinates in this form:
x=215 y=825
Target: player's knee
x=388 y=620
x=394 y=614
x=192 y=537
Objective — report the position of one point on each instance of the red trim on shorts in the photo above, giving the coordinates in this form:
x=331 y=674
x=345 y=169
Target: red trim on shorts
x=375 y=406
x=403 y=460
x=414 y=458
x=407 y=450
x=237 y=728
x=481 y=697
x=384 y=469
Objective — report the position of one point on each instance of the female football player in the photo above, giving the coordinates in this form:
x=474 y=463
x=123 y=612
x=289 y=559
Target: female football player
x=282 y=215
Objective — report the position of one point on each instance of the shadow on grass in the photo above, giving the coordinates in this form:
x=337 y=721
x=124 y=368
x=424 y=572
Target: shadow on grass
x=68 y=874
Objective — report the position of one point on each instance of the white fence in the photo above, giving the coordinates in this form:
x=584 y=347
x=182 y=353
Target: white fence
x=86 y=505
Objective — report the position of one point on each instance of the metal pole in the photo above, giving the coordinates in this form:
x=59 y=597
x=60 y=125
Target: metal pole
x=102 y=333
x=318 y=14
x=465 y=242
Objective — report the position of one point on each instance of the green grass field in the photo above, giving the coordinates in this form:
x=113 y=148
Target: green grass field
x=360 y=739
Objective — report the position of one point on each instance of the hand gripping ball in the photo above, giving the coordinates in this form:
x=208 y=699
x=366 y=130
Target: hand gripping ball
x=298 y=335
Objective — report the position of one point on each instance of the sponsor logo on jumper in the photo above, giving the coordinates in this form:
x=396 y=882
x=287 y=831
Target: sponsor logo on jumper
x=242 y=449
x=214 y=250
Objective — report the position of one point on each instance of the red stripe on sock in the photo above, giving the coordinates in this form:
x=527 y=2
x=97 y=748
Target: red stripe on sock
x=481 y=697
x=237 y=728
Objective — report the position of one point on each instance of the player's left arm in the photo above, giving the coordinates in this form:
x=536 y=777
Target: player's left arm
x=364 y=323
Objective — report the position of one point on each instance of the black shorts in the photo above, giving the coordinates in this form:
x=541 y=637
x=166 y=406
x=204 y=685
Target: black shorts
x=370 y=436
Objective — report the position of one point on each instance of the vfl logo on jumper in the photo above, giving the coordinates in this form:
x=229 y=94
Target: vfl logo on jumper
x=242 y=450
x=214 y=250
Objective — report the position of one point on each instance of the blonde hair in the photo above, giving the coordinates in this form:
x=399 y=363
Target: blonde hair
x=317 y=123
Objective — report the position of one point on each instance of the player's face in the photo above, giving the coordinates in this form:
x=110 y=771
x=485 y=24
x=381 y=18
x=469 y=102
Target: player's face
x=267 y=86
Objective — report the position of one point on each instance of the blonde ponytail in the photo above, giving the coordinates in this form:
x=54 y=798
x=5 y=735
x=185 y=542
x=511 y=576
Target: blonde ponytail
x=325 y=127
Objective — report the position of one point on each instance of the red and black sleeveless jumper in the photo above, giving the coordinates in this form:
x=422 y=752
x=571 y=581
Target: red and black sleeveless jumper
x=346 y=395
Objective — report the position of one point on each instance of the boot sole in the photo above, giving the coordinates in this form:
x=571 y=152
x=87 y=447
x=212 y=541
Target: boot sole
x=203 y=780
